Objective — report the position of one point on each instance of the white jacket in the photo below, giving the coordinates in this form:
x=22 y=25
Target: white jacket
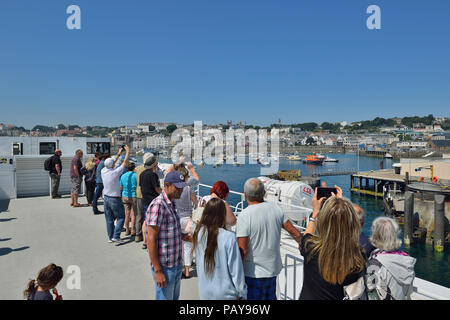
x=391 y=274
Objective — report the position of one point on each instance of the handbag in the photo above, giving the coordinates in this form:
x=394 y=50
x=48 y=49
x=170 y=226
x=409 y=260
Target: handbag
x=356 y=290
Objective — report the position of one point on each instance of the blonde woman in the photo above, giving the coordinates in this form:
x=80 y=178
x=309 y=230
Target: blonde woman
x=88 y=171
x=333 y=256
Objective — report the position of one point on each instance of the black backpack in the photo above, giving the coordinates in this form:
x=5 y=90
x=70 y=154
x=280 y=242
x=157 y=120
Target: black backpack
x=48 y=164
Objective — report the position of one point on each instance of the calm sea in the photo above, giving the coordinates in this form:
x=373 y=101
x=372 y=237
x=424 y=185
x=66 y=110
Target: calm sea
x=430 y=265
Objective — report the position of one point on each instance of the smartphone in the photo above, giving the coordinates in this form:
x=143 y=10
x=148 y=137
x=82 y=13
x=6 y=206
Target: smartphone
x=325 y=192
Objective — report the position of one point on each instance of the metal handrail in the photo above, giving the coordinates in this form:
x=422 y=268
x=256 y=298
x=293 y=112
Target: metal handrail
x=295 y=259
x=240 y=204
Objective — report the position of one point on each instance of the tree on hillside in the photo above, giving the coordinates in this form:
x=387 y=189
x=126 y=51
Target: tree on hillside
x=310 y=141
x=43 y=129
x=171 y=128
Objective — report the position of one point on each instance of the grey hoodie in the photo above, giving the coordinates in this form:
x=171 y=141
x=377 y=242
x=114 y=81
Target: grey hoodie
x=393 y=274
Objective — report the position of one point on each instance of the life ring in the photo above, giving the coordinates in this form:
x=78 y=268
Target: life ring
x=421 y=179
x=435 y=179
x=293 y=171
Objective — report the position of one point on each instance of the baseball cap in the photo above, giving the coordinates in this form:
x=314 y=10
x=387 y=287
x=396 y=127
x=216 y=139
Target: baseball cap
x=175 y=178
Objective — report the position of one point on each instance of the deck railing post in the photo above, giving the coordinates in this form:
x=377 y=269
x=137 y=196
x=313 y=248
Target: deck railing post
x=439 y=214
x=408 y=217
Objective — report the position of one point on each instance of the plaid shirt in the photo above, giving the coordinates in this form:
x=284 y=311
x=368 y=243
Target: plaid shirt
x=161 y=213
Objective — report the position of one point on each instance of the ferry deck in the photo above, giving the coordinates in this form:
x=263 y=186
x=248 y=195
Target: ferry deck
x=37 y=231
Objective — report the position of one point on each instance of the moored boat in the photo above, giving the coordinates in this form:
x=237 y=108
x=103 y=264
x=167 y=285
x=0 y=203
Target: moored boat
x=313 y=159
x=328 y=159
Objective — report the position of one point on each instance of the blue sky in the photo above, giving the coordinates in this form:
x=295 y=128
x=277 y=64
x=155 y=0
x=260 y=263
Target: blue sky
x=249 y=60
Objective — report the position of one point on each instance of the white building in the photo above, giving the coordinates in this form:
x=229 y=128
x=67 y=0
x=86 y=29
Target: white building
x=157 y=141
x=144 y=127
x=412 y=144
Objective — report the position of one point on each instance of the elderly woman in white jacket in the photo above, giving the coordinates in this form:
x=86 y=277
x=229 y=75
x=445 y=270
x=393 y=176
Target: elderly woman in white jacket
x=390 y=271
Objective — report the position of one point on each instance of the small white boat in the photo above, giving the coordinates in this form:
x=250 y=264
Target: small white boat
x=263 y=162
x=201 y=163
x=388 y=156
x=328 y=159
x=218 y=163
x=294 y=158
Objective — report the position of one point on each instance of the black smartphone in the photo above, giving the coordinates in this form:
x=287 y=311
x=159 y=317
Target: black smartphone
x=325 y=192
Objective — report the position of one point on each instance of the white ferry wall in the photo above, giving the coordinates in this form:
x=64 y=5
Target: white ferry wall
x=24 y=175
x=30 y=146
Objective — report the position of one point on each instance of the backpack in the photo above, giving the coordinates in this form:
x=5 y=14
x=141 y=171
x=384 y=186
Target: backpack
x=48 y=164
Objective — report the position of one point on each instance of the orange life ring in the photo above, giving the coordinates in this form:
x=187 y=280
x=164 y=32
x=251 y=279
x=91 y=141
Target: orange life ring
x=421 y=179
x=435 y=179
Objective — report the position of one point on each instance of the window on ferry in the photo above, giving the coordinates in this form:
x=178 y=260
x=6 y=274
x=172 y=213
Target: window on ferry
x=17 y=149
x=102 y=147
x=47 y=147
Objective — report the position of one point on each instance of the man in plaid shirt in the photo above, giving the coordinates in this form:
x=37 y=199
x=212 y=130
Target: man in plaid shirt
x=164 y=238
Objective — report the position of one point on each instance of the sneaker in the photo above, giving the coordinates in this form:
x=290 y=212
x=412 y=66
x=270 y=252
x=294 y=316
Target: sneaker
x=118 y=241
x=110 y=241
x=98 y=212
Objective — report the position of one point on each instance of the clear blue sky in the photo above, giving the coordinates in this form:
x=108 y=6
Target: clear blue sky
x=249 y=60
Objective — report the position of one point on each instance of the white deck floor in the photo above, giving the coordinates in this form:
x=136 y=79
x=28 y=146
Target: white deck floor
x=37 y=231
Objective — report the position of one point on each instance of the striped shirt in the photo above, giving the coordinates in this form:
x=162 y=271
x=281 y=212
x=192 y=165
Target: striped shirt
x=161 y=213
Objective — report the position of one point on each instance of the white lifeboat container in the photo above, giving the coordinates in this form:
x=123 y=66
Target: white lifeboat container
x=294 y=197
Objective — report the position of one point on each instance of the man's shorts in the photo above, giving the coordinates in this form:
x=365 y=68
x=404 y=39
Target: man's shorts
x=76 y=185
x=129 y=203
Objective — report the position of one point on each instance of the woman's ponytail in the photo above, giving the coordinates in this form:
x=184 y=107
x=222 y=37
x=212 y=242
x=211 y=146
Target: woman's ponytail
x=31 y=287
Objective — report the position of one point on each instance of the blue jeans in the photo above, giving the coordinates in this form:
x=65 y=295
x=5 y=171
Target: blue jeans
x=98 y=193
x=114 y=210
x=173 y=280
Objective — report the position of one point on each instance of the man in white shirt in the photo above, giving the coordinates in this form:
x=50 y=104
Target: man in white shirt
x=258 y=231
x=114 y=209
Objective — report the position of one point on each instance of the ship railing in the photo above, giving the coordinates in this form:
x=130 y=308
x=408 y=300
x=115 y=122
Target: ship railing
x=290 y=277
x=239 y=206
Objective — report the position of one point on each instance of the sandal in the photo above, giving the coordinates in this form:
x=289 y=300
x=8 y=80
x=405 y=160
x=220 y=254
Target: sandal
x=77 y=205
x=144 y=246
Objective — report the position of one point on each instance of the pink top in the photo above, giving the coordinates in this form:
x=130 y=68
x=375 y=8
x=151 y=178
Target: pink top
x=399 y=252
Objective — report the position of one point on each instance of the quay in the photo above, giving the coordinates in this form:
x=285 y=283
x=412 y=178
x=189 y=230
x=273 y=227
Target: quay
x=374 y=181
x=334 y=172
x=420 y=201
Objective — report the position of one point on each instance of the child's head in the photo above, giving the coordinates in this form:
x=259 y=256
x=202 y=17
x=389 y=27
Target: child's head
x=47 y=279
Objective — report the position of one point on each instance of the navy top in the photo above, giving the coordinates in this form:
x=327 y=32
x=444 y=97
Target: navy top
x=40 y=295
